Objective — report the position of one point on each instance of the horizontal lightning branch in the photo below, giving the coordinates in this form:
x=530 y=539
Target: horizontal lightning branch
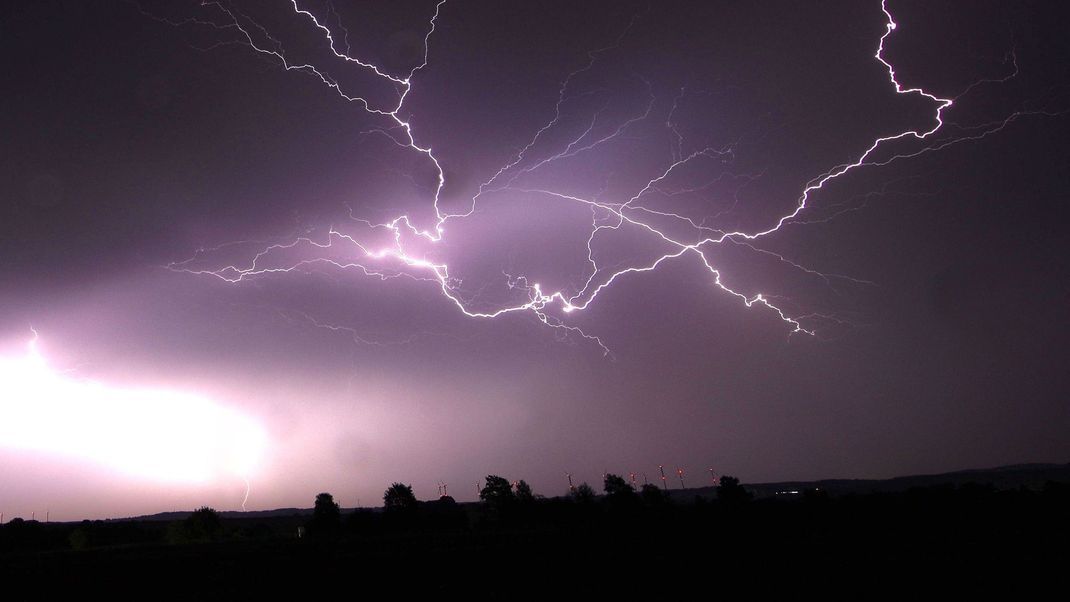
x=401 y=259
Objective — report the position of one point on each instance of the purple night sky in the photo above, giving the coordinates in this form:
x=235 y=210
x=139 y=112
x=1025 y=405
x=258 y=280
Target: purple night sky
x=327 y=246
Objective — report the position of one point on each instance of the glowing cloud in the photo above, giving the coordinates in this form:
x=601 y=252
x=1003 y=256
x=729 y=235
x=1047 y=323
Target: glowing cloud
x=161 y=435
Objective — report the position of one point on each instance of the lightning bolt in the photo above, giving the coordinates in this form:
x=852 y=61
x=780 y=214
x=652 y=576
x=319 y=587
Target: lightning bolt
x=401 y=257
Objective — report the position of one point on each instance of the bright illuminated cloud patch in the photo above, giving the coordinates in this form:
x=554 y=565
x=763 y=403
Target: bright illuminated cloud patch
x=161 y=435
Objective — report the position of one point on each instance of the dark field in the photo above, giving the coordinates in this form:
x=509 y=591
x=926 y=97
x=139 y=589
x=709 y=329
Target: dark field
x=957 y=540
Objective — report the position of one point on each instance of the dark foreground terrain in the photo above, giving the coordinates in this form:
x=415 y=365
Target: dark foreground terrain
x=965 y=539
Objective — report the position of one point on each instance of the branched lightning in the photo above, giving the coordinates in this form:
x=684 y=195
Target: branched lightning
x=401 y=259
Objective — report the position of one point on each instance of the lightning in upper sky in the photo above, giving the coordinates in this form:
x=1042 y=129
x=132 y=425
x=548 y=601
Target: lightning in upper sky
x=401 y=248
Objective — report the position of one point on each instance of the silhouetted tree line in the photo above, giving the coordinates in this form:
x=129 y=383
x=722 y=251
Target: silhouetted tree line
x=968 y=515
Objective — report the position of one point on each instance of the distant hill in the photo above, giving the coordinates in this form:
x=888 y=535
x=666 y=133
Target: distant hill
x=1031 y=476
x=181 y=514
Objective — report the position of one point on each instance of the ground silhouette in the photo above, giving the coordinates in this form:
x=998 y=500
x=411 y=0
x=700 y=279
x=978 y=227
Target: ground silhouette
x=961 y=540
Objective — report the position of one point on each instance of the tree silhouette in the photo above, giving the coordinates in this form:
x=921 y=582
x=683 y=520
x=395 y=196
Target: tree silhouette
x=399 y=498
x=326 y=508
x=652 y=495
x=620 y=494
x=205 y=520
x=497 y=492
x=201 y=526
x=731 y=492
x=616 y=487
x=523 y=492
x=326 y=516
x=584 y=494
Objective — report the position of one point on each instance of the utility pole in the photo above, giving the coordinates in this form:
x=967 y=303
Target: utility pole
x=664 y=485
x=680 y=473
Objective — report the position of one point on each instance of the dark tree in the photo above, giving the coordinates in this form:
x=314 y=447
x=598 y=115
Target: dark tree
x=399 y=498
x=326 y=508
x=201 y=526
x=523 y=492
x=616 y=487
x=652 y=495
x=497 y=492
x=731 y=492
x=326 y=519
x=205 y=521
x=584 y=494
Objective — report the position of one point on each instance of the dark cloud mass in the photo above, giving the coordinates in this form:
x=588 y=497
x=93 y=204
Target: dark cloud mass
x=140 y=145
